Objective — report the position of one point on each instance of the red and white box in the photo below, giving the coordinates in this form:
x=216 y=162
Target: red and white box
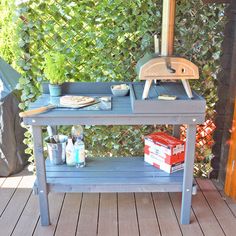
x=162 y=165
x=164 y=152
x=179 y=157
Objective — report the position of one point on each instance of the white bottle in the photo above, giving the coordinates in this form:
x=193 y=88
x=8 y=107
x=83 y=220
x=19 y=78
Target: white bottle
x=70 y=153
x=79 y=153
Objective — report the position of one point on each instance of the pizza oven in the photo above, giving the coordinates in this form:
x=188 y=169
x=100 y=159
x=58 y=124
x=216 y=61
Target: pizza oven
x=163 y=65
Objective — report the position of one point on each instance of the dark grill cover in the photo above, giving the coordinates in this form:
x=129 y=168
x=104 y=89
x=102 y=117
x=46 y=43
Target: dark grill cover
x=12 y=157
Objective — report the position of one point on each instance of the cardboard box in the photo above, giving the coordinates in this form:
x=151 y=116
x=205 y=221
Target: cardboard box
x=163 y=143
x=164 y=152
x=162 y=165
x=179 y=157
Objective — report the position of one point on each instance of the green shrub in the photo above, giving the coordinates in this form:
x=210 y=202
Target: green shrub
x=9 y=49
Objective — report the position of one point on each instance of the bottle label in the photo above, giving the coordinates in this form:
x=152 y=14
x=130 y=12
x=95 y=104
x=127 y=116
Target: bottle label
x=70 y=160
x=70 y=156
x=79 y=155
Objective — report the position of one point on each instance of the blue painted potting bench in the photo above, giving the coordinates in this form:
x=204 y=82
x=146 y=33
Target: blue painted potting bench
x=118 y=174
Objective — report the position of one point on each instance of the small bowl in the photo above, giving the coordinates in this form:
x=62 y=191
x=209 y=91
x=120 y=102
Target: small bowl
x=119 y=92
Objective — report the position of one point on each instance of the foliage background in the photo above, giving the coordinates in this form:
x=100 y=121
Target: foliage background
x=103 y=40
x=8 y=32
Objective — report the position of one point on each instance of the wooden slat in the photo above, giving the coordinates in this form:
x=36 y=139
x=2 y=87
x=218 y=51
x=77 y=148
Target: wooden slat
x=29 y=218
x=108 y=225
x=88 y=218
x=57 y=118
x=205 y=216
x=84 y=88
x=12 y=213
x=166 y=215
x=218 y=206
x=55 y=201
x=7 y=190
x=103 y=174
x=116 y=181
x=67 y=223
x=148 y=224
x=121 y=185
x=110 y=165
x=193 y=228
x=127 y=217
x=230 y=202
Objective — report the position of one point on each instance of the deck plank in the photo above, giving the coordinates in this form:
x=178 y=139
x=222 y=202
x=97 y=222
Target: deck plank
x=12 y=213
x=230 y=202
x=223 y=214
x=55 y=202
x=67 y=223
x=108 y=215
x=193 y=228
x=205 y=216
x=29 y=217
x=166 y=215
x=131 y=214
x=148 y=224
x=7 y=190
x=127 y=216
x=88 y=217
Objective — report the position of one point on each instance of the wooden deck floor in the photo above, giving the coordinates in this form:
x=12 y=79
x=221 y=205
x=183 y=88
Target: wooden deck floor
x=131 y=214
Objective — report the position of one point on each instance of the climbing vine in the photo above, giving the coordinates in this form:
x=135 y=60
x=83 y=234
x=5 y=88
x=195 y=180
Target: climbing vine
x=102 y=41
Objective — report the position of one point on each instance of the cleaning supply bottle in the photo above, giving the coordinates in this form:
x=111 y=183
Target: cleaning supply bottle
x=79 y=153
x=70 y=153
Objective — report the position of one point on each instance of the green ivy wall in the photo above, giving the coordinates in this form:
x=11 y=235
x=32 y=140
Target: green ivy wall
x=103 y=40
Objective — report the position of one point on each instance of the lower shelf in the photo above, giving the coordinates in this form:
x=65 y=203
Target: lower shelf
x=112 y=175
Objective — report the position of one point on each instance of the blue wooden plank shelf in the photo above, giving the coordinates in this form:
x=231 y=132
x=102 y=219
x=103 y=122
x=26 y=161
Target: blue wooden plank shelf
x=125 y=174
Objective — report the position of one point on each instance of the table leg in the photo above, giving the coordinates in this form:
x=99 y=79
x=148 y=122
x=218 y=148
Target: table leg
x=147 y=86
x=41 y=175
x=188 y=174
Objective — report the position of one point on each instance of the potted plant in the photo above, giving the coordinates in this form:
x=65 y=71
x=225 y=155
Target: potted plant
x=55 y=71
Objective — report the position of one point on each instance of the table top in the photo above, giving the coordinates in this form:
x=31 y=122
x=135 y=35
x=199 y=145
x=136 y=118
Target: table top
x=120 y=114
